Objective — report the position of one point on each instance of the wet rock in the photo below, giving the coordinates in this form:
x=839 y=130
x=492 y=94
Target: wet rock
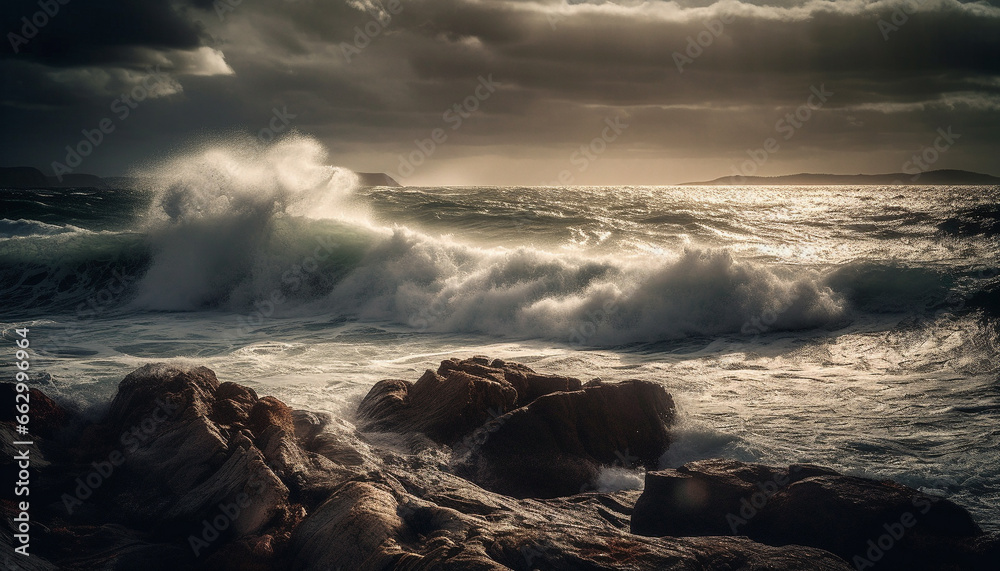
x=233 y=404
x=462 y=395
x=47 y=417
x=377 y=524
x=152 y=391
x=528 y=384
x=187 y=466
x=707 y=496
x=308 y=425
x=445 y=408
x=314 y=493
x=861 y=520
x=556 y=445
x=308 y=475
x=268 y=412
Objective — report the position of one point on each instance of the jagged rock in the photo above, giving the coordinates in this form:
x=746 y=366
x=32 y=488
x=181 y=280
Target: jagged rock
x=309 y=425
x=556 y=445
x=115 y=547
x=46 y=416
x=462 y=395
x=308 y=474
x=445 y=408
x=161 y=387
x=268 y=412
x=357 y=528
x=315 y=432
x=322 y=495
x=708 y=495
x=233 y=404
x=376 y=524
x=528 y=384
x=809 y=505
x=188 y=460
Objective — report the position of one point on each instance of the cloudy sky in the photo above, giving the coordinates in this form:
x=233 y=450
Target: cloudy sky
x=690 y=86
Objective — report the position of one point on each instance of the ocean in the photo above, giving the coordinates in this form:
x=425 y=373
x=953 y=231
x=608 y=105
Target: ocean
x=852 y=327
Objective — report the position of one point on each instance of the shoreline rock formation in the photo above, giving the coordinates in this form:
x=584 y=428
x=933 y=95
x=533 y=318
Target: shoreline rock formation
x=478 y=465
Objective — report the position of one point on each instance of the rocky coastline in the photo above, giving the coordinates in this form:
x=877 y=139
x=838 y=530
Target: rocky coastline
x=480 y=464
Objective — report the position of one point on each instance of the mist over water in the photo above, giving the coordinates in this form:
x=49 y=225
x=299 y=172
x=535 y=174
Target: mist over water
x=850 y=326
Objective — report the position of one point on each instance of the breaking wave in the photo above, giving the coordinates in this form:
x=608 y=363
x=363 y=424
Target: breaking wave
x=230 y=227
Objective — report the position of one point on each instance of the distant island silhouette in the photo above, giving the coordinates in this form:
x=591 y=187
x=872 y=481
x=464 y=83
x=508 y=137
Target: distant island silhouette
x=376 y=179
x=935 y=177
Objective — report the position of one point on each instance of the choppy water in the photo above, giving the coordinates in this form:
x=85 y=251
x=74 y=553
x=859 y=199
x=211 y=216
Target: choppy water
x=854 y=327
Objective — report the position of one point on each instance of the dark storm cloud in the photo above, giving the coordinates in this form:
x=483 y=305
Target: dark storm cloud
x=899 y=70
x=82 y=32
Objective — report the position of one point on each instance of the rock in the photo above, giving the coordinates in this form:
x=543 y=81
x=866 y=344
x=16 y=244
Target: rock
x=528 y=384
x=707 y=496
x=111 y=546
x=268 y=412
x=813 y=506
x=47 y=417
x=462 y=395
x=233 y=404
x=386 y=407
x=553 y=444
x=151 y=391
x=188 y=461
x=556 y=445
x=308 y=425
x=317 y=432
x=214 y=478
x=357 y=528
x=445 y=408
x=308 y=475
x=22 y=177
x=375 y=179
x=377 y=524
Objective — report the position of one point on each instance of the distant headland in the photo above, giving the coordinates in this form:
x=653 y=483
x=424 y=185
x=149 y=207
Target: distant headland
x=28 y=177
x=376 y=179
x=935 y=177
